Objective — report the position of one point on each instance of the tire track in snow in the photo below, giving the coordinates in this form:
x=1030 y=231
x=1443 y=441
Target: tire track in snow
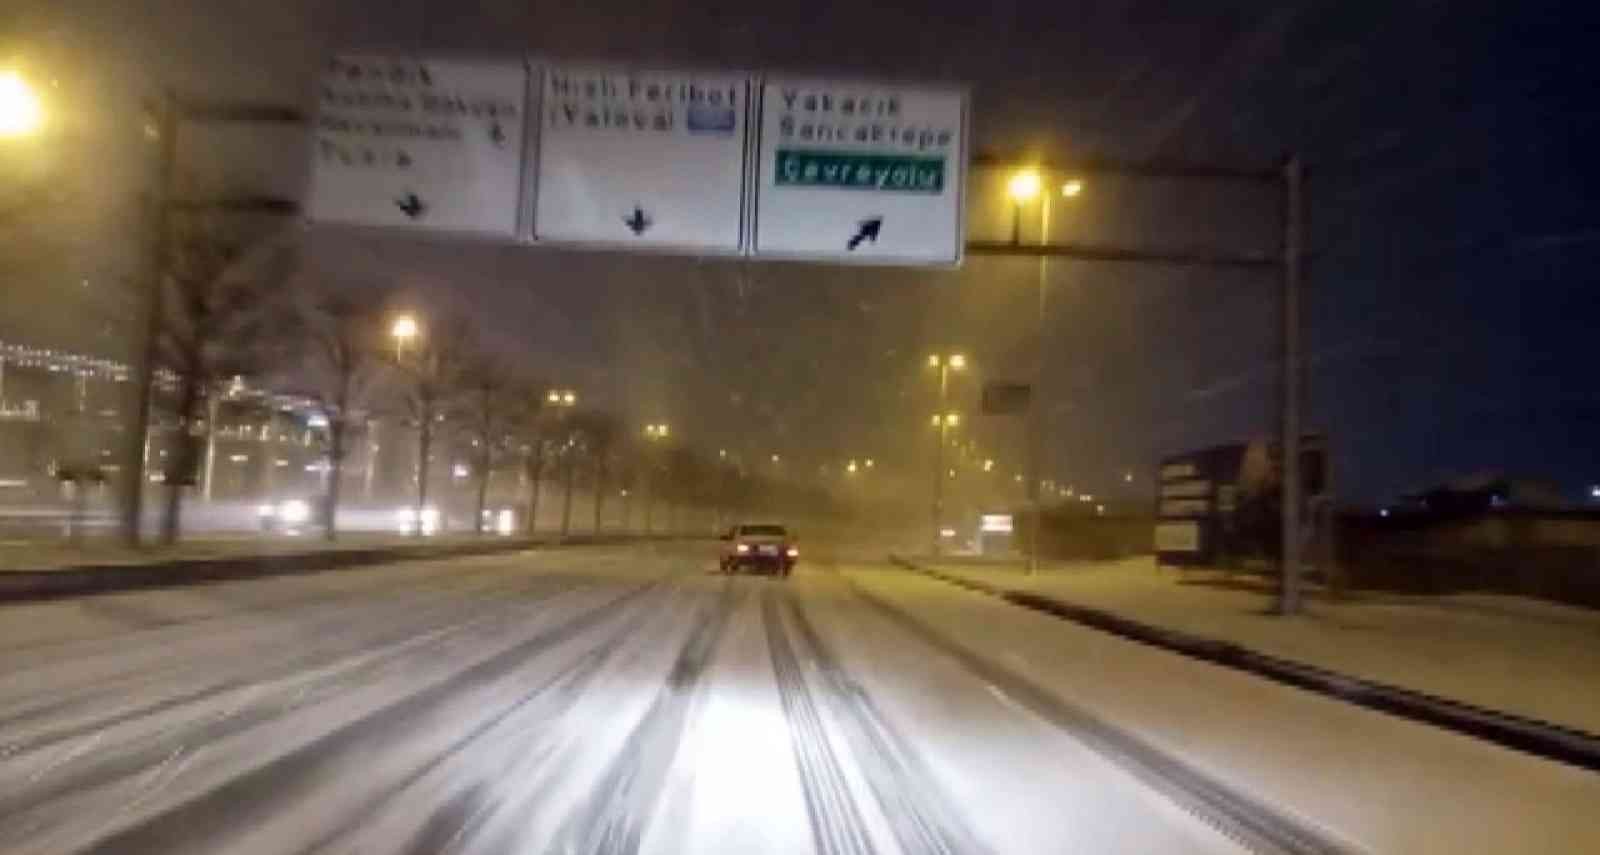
x=919 y=812
x=547 y=702
x=149 y=751
x=837 y=827
x=260 y=791
x=1253 y=824
x=611 y=821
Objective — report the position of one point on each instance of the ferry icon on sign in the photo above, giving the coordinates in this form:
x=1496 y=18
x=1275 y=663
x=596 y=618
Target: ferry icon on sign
x=707 y=119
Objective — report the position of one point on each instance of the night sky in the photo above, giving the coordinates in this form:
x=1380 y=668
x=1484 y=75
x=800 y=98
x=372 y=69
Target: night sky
x=1451 y=230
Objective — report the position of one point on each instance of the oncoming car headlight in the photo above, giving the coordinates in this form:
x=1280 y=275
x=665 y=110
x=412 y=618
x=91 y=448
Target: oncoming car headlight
x=294 y=511
x=408 y=521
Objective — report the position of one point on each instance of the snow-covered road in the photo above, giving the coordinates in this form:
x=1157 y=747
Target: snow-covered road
x=582 y=700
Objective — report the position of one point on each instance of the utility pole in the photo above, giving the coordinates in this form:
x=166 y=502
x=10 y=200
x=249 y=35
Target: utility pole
x=1293 y=244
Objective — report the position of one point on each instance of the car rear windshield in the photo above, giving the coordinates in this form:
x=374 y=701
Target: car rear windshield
x=762 y=531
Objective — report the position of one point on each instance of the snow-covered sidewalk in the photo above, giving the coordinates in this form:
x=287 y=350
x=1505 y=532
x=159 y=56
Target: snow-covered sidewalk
x=1526 y=657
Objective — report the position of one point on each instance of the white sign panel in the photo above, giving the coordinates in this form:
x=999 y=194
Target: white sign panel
x=1177 y=537
x=651 y=159
x=860 y=172
x=421 y=144
x=995 y=524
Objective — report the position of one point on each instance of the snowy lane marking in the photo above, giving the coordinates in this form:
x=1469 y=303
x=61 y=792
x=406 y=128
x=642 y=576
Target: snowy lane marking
x=837 y=826
x=1255 y=825
x=919 y=812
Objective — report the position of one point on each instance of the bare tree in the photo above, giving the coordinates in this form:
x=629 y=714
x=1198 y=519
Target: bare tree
x=345 y=334
x=222 y=283
x=600 y=432
x=431 y=371
x=528 y=418
x=487 y=415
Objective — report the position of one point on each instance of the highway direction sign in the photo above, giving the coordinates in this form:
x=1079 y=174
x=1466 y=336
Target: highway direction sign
x=648 y=159
x=420 y=144
x=860 y=172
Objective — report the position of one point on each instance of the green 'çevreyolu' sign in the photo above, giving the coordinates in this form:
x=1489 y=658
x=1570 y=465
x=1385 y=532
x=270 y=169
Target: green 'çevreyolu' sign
x=848 y=171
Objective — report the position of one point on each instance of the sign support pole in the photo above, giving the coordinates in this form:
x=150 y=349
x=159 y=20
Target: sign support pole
x=1289 y=594
x=1036 y=396
x=166 y=127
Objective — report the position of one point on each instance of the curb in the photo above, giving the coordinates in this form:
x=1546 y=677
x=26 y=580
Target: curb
x=1531 y=736
x=22 y=586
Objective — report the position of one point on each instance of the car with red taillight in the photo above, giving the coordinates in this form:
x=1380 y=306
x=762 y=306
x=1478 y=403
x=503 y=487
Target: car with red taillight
x=767 y=547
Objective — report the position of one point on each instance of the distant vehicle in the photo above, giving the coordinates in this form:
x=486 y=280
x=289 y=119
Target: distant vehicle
x=767 y=547
x=290 y=516
x=427 y=522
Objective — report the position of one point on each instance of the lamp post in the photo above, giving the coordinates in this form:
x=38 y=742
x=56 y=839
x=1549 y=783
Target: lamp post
x=944 y=363
x=655 y=434
x=403 y=331
x=563 y=400
x=1023 y=187
x=944 y=423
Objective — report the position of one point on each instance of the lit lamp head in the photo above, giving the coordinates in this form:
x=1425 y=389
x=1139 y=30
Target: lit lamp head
x=1023 y=186
x=21 y=113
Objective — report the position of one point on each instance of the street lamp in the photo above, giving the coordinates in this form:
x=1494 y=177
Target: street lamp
x=655 y=433
x=21 y=113
x=403 y=330
x=1023 y=187
x=563 y=400
x=944 y=422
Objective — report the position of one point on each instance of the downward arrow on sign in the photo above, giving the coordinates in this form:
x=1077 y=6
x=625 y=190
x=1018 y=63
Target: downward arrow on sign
x=411 y=205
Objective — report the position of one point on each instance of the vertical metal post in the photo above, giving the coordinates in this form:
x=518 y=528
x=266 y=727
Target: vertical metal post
x=1036 y=397
x=938 y=455
x=166 y=124
x=1293 y=242
x=566 y=501
x=213 y=409
x=650 y=491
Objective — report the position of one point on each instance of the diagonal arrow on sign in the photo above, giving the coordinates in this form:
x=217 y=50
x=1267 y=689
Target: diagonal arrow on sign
x=866 y=230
